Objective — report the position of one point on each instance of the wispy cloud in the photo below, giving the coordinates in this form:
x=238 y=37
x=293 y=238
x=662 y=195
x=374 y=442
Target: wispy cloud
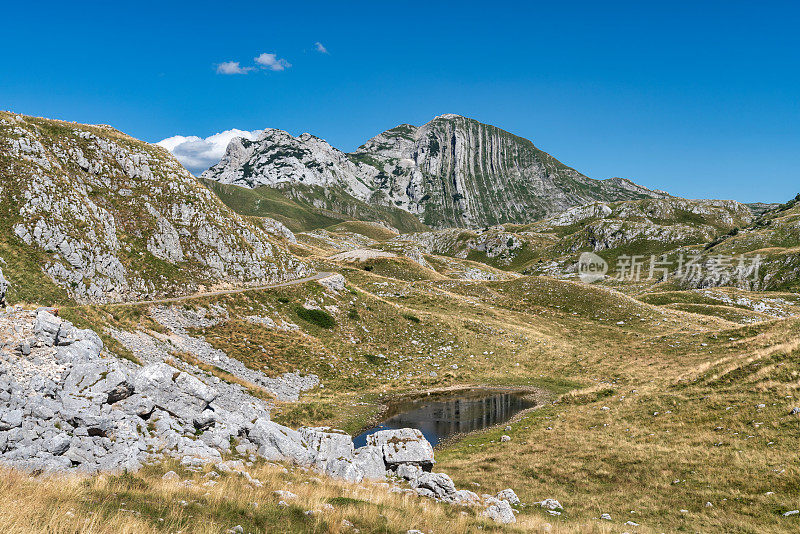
x=198 y=154
x=272 y=62
x=232 y=67
x=321 y=48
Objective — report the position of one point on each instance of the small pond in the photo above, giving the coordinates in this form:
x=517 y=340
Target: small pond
x=443 y=415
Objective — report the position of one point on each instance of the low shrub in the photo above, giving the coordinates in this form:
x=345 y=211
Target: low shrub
x=320 y=318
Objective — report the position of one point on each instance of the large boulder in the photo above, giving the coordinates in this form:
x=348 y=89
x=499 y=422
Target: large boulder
x=333 y=452
x=88 y=387
x=328 y=444
x=278 y=443
x=436 y=485
x=73 y=344
x=102 y=382
x=408 y=471
x=369 y=460
x=10 y=418
x=402 y=446
x=510 y=496
x=46 y=327
x=174 y=391
x=499 y=511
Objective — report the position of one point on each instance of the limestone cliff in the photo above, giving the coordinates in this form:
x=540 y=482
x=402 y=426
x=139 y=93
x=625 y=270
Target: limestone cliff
x=108 y=218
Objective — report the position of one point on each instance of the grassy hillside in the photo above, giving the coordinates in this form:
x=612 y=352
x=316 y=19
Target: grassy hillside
x=775 y=237
x=304 y=208
x=88 y=213
x=649 y=395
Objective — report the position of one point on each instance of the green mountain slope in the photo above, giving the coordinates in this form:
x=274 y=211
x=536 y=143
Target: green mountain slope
x=304 y=207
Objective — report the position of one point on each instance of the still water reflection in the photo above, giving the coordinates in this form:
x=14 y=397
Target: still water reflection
x=441 y=417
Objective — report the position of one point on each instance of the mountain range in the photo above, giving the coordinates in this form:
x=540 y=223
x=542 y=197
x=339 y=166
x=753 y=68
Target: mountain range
x=451 y=172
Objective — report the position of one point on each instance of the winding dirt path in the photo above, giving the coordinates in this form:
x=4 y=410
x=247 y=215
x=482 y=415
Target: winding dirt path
x=318 y=276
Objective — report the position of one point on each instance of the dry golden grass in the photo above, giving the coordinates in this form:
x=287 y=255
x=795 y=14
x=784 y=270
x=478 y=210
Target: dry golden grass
x=703 y=375
x=144 y=502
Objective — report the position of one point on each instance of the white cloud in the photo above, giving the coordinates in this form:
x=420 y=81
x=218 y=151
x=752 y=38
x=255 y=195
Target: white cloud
x=232 y=67
x=198 y=154
x=272 y=62
x=321 y=48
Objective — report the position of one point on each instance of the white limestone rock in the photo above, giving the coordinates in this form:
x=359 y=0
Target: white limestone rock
x=405 y=445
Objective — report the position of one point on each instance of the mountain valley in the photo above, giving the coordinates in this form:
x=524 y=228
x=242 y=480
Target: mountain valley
x=196 y=353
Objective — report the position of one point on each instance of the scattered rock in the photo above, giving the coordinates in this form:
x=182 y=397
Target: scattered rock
x=510 y=496
x=500 y=511
x=550 y=504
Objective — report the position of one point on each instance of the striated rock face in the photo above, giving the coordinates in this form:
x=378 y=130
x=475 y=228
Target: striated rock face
x=450 y=172
x=455 y=171
x=111 y=218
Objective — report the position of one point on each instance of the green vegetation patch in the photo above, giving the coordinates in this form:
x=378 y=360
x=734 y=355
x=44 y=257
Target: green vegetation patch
x=320 y=318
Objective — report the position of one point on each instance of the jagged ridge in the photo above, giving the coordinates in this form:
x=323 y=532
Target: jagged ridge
x=450 y=172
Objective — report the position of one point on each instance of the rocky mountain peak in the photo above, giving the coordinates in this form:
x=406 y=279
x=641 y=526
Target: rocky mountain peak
x=450 y=172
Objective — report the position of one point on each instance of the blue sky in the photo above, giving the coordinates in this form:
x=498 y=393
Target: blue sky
x=700 y=98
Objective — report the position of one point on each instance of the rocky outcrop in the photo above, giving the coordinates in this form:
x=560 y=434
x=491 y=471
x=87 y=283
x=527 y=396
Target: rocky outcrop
x=494 y=243
x=404 y=446
x=65 y=403
x=719 y=214
x=68 y=404
x=276 y=157
x=761 y=256
x=450 y=172
x=176 y=320
x=3 y=289
x=110 y=218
